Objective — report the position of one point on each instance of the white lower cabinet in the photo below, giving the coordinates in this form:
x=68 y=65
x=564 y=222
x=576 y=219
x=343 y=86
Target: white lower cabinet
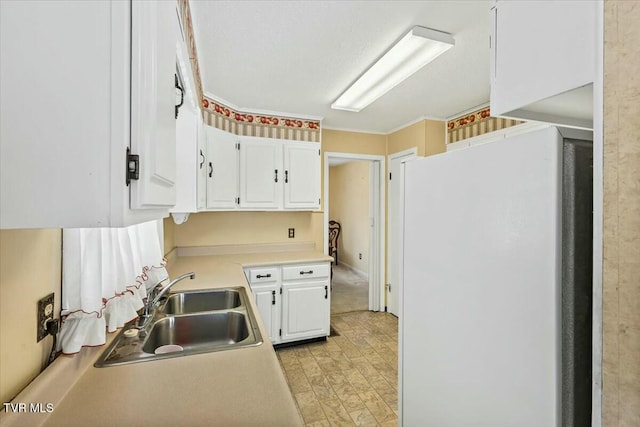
x=305 y=310
x=268 y=302
x=294 y=301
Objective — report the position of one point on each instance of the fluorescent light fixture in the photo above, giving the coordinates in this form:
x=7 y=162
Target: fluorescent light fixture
x=414 y=50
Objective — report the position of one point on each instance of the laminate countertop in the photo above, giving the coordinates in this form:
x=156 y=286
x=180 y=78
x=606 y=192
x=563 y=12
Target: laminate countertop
x=239 y=387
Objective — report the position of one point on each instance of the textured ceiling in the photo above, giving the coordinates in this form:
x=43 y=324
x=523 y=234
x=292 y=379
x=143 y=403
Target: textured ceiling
x=297 y=57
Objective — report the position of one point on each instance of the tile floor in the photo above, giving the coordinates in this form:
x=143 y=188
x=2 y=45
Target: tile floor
x=349 y=291
x=350 y=379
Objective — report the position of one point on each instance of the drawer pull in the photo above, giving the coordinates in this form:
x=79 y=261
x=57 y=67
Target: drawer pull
x=263 y=276
x=273 y=297
x=326 y=292
x=306 y=272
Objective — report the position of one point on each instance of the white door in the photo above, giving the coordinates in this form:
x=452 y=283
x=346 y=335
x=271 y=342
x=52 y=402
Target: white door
x=302 y=175
x=202 y=166
x=221 y=169
x=268 y=302
x=305 y=310
x=395 y=228
x=153 y=96
x=261 y=175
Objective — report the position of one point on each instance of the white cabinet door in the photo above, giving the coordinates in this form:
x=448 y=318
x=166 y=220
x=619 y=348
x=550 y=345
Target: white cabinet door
x=301 y=176
x=261 y=174
x=268 y=302
x=153 y=127
x=202 y=166
x=221 y=169
x=305 y=309
x=543 y=60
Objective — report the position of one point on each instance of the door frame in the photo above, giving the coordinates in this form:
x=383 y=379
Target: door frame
x=377 y=207
x=404 y=156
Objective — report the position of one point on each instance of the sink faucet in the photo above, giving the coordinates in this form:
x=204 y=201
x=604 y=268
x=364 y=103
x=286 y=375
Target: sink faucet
x=152 y=300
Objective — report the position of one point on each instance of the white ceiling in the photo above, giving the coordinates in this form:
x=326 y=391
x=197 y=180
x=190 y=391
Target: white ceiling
x=297 y=57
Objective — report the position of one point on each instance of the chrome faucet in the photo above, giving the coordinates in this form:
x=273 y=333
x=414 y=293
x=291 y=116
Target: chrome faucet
x=153 y=300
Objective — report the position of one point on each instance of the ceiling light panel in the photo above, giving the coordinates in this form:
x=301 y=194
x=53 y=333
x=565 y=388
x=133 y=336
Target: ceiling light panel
x=414 y=50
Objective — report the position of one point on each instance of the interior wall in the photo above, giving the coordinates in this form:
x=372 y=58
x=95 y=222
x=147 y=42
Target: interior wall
x=169 y=234
x=240 y=227
x=349 y=205
x=428 y=136
x=621 y=228
x=30 y=269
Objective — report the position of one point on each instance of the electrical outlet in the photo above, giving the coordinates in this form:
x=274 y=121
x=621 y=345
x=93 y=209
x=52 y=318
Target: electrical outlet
x=292 y=233
x=45 y=313
x=359 y=256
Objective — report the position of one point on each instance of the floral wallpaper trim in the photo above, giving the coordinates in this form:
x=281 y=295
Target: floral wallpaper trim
x=468 y=119
x=259 y=119
x=476 y=123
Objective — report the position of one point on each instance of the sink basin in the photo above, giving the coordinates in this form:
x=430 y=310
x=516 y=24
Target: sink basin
x=198 y=301
x=200 y=330
x=188 y=323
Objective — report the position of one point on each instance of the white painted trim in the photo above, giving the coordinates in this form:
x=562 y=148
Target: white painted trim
x=497 y=135
x=377 y=255
x=353 y=130
x=355 y=271
x=406 y=155
x=598 y=204
x=260 y=111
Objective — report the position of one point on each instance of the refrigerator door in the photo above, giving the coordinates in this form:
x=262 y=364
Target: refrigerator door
x=480 y=325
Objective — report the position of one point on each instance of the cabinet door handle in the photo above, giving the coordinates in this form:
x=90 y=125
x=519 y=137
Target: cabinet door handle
x=276 y=175
x=326 y=292
x=264 y=275
x=210 y=169
x=306 y=272
x=201 y=155
x=273 y=297
x=286 y=177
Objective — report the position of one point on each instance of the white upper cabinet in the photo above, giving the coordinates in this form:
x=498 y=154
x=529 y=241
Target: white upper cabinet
x=81 y=83
x=301 y=176
x=221 y=169
x=153 y=100
x=261 y=174
x=543 y=61
x=202 y=165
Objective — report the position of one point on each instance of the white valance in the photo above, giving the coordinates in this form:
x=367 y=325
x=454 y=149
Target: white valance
x=105 y=277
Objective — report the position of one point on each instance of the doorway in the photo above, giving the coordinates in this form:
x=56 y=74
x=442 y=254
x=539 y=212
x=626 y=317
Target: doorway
x=395 y=228
x=375 y=221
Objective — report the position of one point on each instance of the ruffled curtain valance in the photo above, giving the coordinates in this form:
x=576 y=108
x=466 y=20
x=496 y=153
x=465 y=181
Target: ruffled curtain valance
x=105 y=277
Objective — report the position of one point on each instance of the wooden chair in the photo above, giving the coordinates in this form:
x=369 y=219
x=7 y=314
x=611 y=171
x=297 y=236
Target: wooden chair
x=334 y=234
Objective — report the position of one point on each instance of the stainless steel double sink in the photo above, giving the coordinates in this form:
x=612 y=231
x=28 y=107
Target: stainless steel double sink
x=187 y=323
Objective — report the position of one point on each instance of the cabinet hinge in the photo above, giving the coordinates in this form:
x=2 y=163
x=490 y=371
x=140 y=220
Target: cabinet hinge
x=280 y=332
x=280 y=291
x=389 y=176
x=238 y=146
x=133 y=167
x=318 y=152
x=237 y=200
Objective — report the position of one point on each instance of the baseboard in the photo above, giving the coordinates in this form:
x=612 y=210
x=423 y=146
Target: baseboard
x=355 y=270
x=245 y=249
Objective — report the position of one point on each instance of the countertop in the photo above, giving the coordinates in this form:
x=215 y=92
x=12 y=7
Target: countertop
x=239 y=387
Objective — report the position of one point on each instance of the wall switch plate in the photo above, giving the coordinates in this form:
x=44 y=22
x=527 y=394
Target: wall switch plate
x=292 y=233
x=45 y=313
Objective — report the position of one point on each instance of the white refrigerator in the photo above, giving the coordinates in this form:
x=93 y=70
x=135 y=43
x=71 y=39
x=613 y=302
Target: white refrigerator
x=481 y=325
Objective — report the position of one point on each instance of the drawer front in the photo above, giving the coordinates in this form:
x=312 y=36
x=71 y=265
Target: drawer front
x=264 y=275
x=307 y=271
